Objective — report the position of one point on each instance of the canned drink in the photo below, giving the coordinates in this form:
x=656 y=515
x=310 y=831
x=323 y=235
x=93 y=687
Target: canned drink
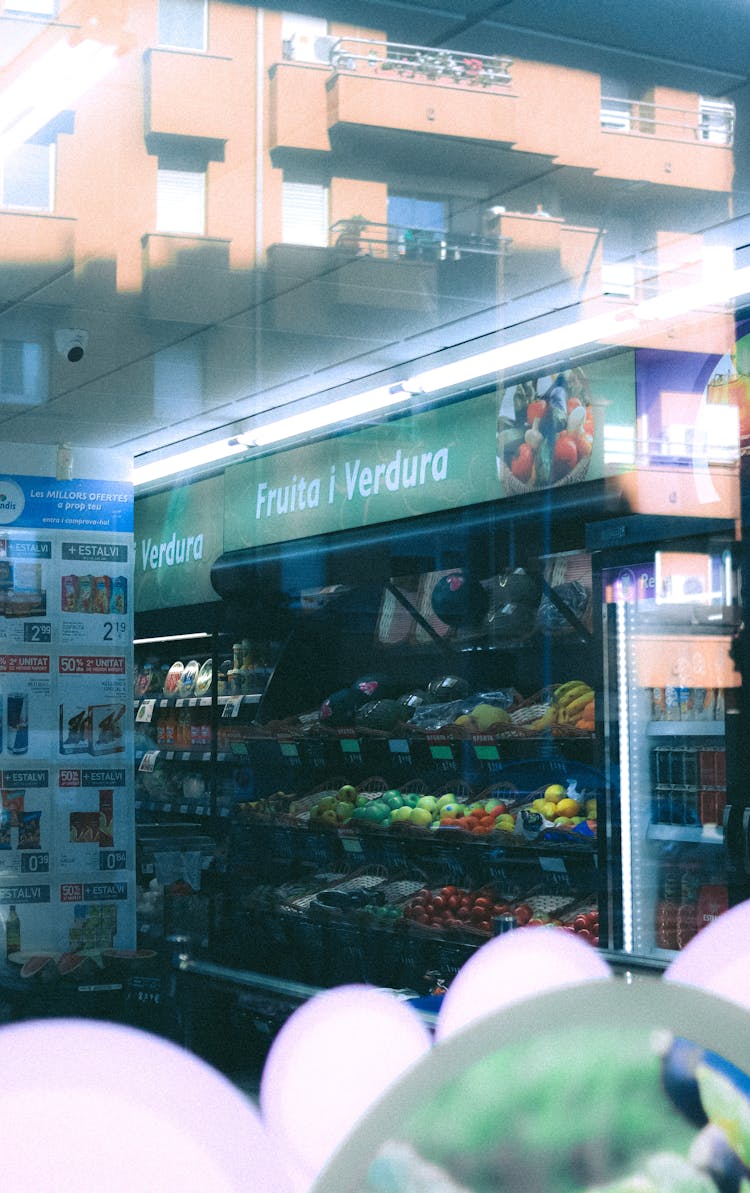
x=671 y=704
x=686 y=701
x=658 y=704
x=502 y=924
x=720 y=767
x=662 y=765
x=661 y=805
x=719 y=704
x=708 y=802
x=690 y=766
x=703 y=700
x=676 y=805
x=120 y=594
x=18 y=723
x=691 y=812
x=707 y=768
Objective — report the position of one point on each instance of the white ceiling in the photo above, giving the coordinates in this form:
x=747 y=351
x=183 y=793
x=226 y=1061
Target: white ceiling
x=108 y=399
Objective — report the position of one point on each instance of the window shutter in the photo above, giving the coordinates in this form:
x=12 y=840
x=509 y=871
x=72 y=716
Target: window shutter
x=305 y=213
x=181 y=201
x=27 y=177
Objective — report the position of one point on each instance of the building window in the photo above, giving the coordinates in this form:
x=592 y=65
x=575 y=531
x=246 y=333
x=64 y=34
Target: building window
x=716 y=121
x=21 y=377
x=34 y=8
x=28 y=177
x=304 y=213
x=181 y=201
x=183 y=24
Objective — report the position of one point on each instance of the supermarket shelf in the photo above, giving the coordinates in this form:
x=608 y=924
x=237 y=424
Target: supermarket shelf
x=706 y=834
x=686 y=729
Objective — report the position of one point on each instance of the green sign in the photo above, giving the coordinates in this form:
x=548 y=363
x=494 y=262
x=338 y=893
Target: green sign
x=178 y=536
x=502 y=443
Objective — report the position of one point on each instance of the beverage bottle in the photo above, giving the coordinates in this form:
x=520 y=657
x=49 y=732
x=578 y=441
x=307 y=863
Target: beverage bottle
x=687 y=912
x=12 y=932
x=665 y=912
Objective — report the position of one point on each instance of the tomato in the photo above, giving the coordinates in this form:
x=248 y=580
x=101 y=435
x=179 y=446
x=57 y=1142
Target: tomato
x=521 y=465
x=573 y=402
x=478 y=914
x=486 y=926
x=580 y=922
x=424 y=893
x=438 y=903
x=585 y=443
x=453 y=902
x=447 y=891
x=566 y=452
x=498 y=810
x=463 y=914
x=535 y=410
x=482 y=901
x=523 y=913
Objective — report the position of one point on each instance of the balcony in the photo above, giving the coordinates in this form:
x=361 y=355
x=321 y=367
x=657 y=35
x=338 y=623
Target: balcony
x=36 y=248
x=188 y=95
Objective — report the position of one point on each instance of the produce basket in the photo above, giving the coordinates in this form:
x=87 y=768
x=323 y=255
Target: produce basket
x=513 y=487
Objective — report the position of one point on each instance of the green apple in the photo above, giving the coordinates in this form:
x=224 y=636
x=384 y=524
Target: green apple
x=422 y=817
x=453 y=810
x=446 y=799
x=411 y=798
x=402 y=813
x=344 y=809
x=428 y=802
x=348 y=793
x=393 y=799
x=328 y=801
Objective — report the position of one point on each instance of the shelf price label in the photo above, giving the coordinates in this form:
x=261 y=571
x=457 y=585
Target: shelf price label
x=114 y=630
x=442 y=753
x=350 y=745
x=289 y=749
x=148 y=761
x=145 y=711
x=232 y=707
x=486 y=753
x=35 y=863
x=400 y=751
x=112 y=859
x=37 y=631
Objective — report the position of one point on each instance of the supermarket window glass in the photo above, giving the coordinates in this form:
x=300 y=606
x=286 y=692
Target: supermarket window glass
x=304 y=213
x=181 y=201
x=183 y=23
x=28 y=177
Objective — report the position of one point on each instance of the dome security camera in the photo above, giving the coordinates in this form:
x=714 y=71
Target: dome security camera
x=71 y=343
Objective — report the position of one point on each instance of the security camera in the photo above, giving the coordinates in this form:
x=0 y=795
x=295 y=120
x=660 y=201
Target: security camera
x=71 y=343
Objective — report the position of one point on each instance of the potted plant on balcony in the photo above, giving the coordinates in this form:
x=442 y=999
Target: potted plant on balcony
x=350 y=234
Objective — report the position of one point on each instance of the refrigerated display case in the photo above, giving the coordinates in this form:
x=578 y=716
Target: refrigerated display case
x=671 y=707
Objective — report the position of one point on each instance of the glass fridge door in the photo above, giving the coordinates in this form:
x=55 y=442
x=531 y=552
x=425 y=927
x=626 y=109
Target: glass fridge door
x=673 y=682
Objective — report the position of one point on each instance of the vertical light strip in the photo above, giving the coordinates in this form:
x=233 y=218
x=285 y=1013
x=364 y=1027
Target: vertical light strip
x=623 y=704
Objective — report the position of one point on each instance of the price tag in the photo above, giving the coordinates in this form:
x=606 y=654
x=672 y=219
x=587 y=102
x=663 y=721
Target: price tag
x=37 y=631
x=204 y=701
x=289 y=749
x=167 y=807
x=114 y=630
x=350 y=745
x=441 y=753
x=232 y=707
x=486 y=753
x=351 y=844
x=398 y=745
x=200 y=810
x=149 y=759
x=112 y=859
x=145 y=710
x=555 y=865
x=239 y=748
x=35 y=863
x=183 y=809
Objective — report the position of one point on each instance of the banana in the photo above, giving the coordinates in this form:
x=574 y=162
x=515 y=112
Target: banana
x=574 y=709
x=543 y=722
x=568 y=691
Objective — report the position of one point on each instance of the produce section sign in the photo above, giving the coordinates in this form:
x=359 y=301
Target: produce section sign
x=66 y=744
x=178 y=538
x=531 y=436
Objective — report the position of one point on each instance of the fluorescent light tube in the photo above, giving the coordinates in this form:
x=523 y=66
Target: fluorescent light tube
x=327 y=415
x=209 y=453
x=170 y=638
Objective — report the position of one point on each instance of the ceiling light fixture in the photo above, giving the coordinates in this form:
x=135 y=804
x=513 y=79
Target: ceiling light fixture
x=195 y=457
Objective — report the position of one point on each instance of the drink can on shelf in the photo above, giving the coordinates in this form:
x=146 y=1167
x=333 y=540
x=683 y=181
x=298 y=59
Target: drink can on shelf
x=707 y=768
x=671 y=704
x=703 y=701
x=690 y=807
x=686 y=702
x=658 y=705
x=661 y=806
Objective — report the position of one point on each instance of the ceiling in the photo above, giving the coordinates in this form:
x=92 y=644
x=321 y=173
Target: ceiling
x=111 y=399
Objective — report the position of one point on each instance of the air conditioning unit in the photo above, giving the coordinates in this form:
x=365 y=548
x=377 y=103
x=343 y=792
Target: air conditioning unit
x=322 y=48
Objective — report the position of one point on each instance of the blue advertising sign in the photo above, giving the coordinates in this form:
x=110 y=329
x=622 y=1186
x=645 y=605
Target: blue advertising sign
x=43 y=502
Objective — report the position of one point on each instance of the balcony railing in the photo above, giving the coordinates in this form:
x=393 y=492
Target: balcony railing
x=396 y=242
x=419 y=63
x=712 y=123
